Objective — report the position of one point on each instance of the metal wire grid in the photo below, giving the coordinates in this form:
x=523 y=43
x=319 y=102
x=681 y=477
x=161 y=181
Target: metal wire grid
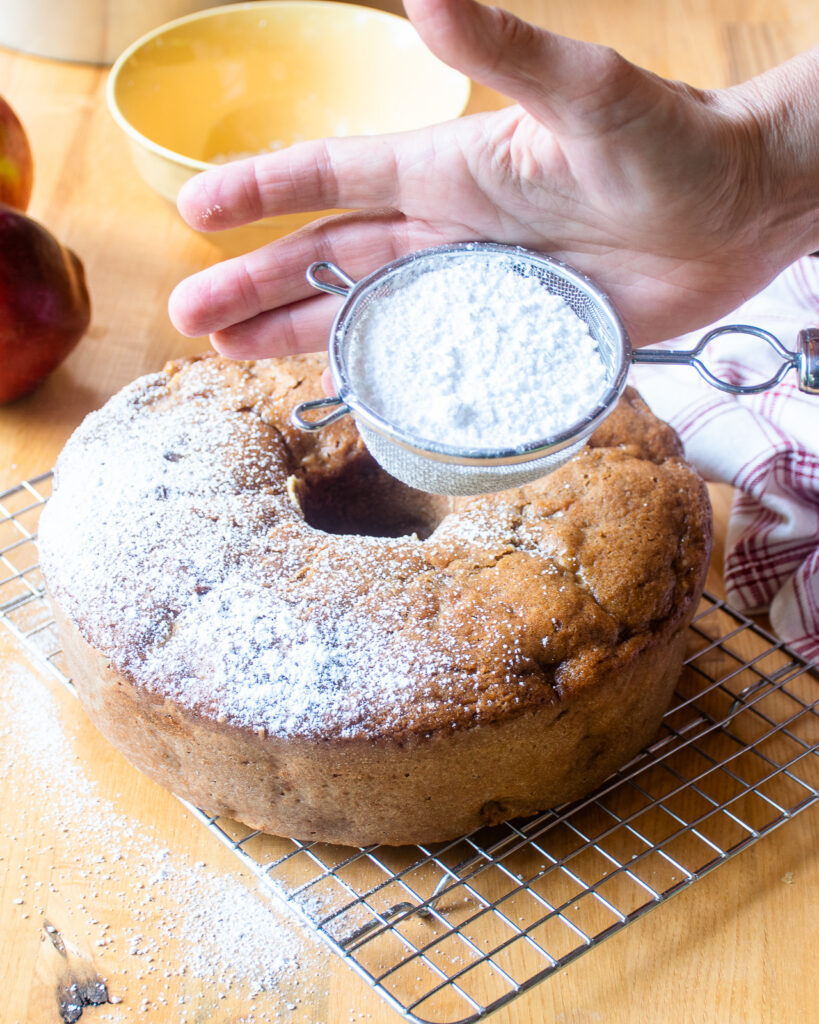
x=451 y=932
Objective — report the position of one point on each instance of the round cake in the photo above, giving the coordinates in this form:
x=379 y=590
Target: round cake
x=267 y=624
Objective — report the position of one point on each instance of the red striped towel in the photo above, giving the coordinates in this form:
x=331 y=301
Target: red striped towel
x=766 y=445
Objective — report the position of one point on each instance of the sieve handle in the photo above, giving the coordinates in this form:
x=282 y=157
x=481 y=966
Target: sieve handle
x=297 y=415
x=805 y=361
x=808 y=341
x=328 y=286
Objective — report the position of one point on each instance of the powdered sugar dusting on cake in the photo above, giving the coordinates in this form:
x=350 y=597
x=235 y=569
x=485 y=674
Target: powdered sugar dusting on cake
x=171 y=541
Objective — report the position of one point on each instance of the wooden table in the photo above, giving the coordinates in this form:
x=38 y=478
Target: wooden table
x=739 y=947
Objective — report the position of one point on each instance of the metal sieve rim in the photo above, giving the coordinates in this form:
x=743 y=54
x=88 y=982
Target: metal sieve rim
x=476 y=456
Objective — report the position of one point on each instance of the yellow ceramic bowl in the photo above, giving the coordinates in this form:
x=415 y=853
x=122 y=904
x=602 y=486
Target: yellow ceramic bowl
x=255 y=77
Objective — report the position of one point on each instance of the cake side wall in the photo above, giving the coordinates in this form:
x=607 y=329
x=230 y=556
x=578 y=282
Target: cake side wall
x=359 y=792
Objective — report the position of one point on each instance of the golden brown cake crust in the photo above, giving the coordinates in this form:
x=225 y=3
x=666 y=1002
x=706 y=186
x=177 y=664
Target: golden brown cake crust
x=235 y=637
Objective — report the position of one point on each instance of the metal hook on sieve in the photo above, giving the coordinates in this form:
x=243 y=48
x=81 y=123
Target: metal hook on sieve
x=805 y=360
x=341 y=408
x=327 y=286
x=298 y=418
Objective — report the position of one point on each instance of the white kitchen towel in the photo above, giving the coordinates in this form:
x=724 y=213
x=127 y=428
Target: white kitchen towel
x=766 y=445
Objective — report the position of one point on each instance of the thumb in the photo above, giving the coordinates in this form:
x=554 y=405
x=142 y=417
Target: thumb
x=568 y=85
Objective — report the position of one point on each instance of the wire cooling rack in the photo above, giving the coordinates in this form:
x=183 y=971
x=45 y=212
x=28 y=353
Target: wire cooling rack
x=451 y=932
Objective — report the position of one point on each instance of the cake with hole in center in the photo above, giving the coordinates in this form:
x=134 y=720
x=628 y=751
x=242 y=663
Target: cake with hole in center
x=266 y=623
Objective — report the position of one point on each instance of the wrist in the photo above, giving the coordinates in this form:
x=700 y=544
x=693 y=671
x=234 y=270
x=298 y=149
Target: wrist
x=777 y=114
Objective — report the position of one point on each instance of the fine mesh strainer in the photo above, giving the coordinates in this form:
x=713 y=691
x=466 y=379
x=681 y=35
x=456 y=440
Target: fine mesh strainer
x=438 y=468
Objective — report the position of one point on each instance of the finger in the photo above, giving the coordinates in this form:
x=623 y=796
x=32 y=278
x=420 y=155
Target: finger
x=246 y=286
x=562 y=82
x=300 y=327
x=353 y=172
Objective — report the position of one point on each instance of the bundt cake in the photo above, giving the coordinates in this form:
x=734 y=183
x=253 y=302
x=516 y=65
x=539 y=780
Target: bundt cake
x=266 y=623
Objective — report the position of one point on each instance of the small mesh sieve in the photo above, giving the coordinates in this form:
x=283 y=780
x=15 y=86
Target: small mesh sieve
x=443 y=469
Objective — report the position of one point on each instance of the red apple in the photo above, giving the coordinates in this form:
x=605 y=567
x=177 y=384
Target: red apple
x=16 y=163
x=44 y=304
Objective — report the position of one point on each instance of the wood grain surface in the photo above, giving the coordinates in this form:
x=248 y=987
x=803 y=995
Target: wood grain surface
x=109 y=859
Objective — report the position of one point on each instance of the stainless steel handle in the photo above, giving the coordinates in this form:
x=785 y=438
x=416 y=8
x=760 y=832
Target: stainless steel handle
x=805 y=361
x=808 y=341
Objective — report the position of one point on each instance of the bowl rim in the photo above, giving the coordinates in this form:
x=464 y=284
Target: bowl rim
x=134 y=135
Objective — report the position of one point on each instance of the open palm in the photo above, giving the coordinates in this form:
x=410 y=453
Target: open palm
x=639 y=182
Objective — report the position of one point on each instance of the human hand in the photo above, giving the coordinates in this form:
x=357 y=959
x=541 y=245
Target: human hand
x=668 y=197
